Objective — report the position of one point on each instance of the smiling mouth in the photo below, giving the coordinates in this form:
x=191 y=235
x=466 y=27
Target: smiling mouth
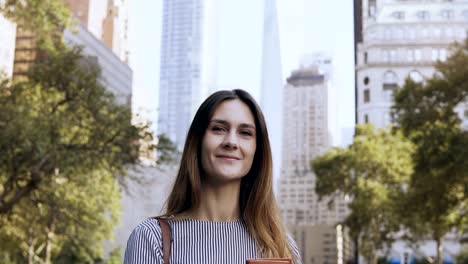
x=227 y=157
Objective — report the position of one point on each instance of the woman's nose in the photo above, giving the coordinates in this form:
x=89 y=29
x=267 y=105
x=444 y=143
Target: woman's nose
x=231 y=140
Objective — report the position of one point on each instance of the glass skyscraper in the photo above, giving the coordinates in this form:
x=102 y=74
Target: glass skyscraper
x=179 y=83
x=271 y=84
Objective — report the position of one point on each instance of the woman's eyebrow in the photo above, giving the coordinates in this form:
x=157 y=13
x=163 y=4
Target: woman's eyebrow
x=226 y=123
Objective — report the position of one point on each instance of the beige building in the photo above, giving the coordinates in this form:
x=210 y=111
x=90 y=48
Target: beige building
x=305 y=136
x=322 y=244
x=107 y=20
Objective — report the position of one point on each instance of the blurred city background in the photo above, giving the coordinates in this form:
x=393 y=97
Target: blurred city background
x=366 y=103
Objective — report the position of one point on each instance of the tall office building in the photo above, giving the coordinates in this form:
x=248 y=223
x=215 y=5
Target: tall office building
x=7 y=46
x=403 y=38
x=305 y=136
x=186 y=64
x=272 y=83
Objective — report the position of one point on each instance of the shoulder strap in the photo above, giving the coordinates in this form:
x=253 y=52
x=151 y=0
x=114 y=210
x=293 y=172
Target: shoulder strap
x=166 y=238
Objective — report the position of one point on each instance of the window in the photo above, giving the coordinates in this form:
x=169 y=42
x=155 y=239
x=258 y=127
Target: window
x=390 y=77
x=366 y=118
x=417 y=55
x=366 y=80
x=437 y=32
x=390 y=83
x=410 y=55
x=442 y=54
x=365 y=57
x=385 y=55
x=393 y=55
x=416 y=76
x=449 y=32
x=400 y=15
x=423 y=15
x=447 y=14
x=435 y=54
x=465 y=14
x=366 y=96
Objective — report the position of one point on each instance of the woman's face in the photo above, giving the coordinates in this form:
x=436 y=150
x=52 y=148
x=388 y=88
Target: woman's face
x=229 y=143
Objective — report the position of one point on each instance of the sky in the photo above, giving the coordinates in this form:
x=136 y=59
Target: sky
x=305 y=27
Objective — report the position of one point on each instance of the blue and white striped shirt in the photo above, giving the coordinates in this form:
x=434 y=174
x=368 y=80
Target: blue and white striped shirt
x=193 y=241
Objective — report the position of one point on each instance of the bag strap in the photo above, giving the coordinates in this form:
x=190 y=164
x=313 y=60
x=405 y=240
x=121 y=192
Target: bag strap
x=166 y=238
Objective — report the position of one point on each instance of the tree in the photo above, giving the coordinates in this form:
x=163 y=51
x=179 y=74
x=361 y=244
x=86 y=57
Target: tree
x=436 y=200
x=66 y=220
x=45 y=18
x=372 y=172
x=166 y=150
x=60 y=118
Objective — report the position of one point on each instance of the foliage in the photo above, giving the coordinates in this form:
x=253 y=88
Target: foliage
x=64 y=144
x=65 y=220
x=166 y=150
x=425 y=112
x=462 y=257
x=44 y=18
x=372 y=172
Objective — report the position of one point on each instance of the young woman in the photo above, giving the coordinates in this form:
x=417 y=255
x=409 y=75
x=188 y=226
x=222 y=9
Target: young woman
x=222 y=208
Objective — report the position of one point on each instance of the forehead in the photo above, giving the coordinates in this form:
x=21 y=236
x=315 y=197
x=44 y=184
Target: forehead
x=234 y=111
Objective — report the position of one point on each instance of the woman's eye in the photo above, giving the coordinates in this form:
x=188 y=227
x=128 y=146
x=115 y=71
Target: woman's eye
x=217 y=128
x=246 y=133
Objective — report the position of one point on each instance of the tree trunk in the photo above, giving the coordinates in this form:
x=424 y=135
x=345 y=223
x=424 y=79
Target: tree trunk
x=30 y=254
x=50 y=233
x=356 y=250
x=439 y=250
x=375 y=258
x=48 y=249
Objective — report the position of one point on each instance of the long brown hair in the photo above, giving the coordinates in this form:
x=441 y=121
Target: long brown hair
x=257 y=202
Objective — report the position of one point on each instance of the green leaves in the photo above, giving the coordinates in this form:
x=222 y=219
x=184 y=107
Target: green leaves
x=46 y=19
x=373 y=172
x=439 y=182
x=64 y=145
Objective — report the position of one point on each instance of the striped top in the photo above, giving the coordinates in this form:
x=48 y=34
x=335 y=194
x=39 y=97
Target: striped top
x=193 y=241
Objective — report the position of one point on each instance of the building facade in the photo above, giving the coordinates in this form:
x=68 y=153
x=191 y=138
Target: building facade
x=401 y=39
x=320 y=244
x=107 y=20
x=305 y=136
x=116 y=75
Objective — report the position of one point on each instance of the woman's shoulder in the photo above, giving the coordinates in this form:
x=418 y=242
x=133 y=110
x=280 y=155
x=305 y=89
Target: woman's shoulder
x=145 y=240
x=148 y=230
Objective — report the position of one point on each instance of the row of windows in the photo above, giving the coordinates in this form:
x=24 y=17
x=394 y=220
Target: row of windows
x=424 y=15
x=407 y=55
x=390 y=82
x=418 y=32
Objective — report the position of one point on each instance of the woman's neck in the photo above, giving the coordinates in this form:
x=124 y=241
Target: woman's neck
x=218 y=203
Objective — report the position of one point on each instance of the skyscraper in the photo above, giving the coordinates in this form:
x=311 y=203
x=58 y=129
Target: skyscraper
x=185 y=64
x=306 y=135
x=272 y=83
